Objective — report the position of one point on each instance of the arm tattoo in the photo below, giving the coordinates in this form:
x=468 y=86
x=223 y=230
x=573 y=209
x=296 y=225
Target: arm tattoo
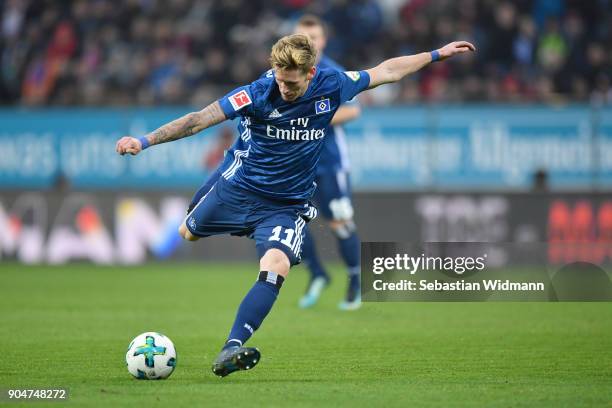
x=188 y=125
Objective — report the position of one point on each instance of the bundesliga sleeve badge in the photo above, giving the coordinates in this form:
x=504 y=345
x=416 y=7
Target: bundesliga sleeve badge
x=240 y=99
x=354 y=75
x=322 y=106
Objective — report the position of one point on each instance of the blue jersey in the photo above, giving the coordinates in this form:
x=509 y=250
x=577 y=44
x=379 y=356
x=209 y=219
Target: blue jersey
x=283 y=140
x=334 y=155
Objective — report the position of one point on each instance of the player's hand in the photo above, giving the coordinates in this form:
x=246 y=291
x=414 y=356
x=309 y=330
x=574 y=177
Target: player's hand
x=128 y=144
x=454 y=48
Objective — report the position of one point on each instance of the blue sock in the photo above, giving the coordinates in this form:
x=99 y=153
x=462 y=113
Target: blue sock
x=350 y=250
x=311 y=258
x=354 y=286
x=254 y=308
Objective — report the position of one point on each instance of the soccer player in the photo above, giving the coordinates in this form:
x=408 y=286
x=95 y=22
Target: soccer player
x=333 y=193
x=265 y=194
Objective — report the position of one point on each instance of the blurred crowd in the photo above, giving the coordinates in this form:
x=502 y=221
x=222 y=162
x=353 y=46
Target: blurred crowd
x=145 y=52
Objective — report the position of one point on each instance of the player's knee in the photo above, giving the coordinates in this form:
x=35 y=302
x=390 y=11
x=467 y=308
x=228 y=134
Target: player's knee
x=186 y=234
x=341 y=209
x=275 y=260
x=343 y=229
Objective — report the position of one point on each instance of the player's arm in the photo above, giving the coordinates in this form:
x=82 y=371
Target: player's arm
x=187 y=125
x=394 y=69
x=346 y=113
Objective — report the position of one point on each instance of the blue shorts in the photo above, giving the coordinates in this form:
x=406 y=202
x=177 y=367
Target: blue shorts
x=333 y=194
x=229 y=209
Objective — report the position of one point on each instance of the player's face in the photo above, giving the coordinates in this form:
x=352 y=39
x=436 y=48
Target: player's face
x=317 y=36
x=292 y=83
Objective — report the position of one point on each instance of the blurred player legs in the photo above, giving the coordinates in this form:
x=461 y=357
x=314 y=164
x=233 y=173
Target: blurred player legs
x=333 y=199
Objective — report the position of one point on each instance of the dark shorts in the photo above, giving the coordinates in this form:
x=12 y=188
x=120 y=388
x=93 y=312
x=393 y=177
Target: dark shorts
x=229 y=209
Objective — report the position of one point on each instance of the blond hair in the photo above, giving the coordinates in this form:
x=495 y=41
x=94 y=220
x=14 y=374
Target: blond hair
x=293 y=52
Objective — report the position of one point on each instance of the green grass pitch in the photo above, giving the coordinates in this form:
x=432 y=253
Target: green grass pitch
x=69 y=326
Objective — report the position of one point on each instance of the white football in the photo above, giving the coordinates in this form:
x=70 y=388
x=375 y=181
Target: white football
x=151 y=356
